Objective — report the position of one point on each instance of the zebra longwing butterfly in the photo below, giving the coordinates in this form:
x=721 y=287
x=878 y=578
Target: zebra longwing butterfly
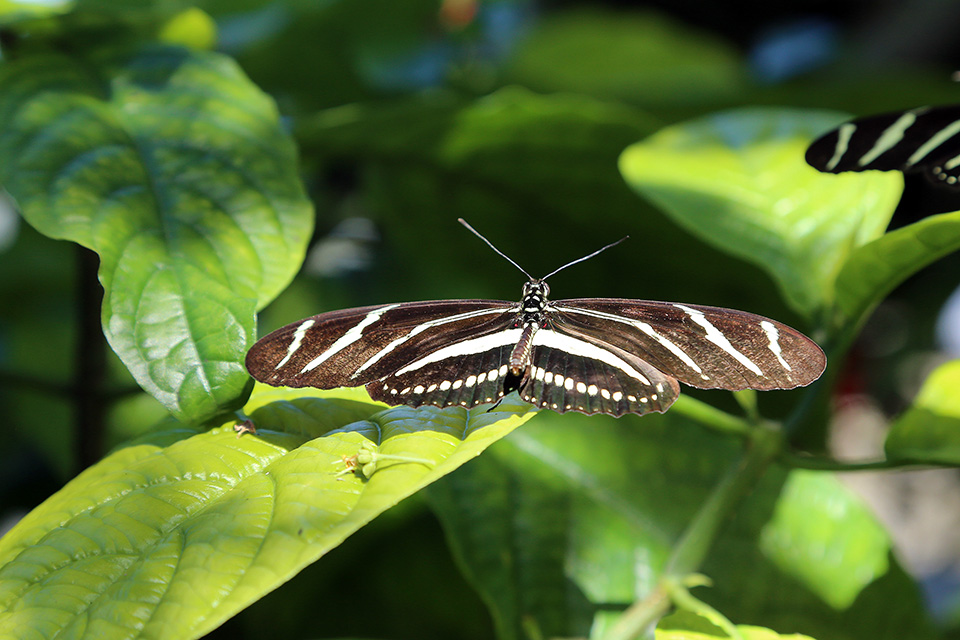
x=922 y=140
x=591 y=355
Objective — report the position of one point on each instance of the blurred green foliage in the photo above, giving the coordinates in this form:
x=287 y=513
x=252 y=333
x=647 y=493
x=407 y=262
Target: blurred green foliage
x=207 y=150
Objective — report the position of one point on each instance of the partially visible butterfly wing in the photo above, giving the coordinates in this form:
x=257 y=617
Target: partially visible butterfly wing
x=704 y=347
x=926 y=139
x=576 y=373
x=465 y=373
x=356 y=346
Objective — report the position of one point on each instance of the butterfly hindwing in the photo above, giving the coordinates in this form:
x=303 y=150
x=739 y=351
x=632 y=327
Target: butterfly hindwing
x=468 y=373
x=571 y=373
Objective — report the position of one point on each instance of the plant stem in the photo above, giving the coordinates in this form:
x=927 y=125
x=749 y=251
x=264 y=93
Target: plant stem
x=711 y=417
x=693 y=547
x=89 y=403
x=691 y=550
x=819 y=463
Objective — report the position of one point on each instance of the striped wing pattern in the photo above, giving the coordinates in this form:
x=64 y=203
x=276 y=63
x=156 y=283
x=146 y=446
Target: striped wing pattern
x=353 y=347
x=589 y=355
x=703 y=347
x=926 y=139
x=453 y=376
x=593 y=376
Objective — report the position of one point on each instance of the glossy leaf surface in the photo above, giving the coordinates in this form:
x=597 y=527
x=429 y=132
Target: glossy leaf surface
x=172 y=166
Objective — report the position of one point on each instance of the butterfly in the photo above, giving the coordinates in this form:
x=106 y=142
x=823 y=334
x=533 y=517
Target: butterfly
x=923 y=140
x=590 y=355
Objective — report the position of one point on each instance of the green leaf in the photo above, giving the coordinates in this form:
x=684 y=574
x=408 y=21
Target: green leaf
x=173 y=167
x=170 y=536
x=826 y=538
x=572 y=512
x=688 y=626
x=738 y=180
x=12 y=11
x=572 y=518
x=759 y=575
x=929 y=431
x=644 y=57
x=873 y=270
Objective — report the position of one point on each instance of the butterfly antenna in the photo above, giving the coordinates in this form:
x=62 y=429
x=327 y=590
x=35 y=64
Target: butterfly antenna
x=490 y=244
x=587 y=257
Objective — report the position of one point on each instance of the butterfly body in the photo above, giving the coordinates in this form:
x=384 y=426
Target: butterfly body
x=590 y=355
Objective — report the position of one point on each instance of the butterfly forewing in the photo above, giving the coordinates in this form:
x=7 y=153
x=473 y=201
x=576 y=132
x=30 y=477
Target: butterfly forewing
x=926 y=139
x=705 y=347
x=355 y=346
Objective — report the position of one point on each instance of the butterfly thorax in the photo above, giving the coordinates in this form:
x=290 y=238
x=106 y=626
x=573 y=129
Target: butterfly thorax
x=531 y=317
x=534 y=301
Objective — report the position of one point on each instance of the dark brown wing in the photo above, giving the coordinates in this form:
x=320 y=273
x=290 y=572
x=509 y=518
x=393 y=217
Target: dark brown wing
x=352 y=347
x=705 y=347
x=465 y=373
x=578 y=373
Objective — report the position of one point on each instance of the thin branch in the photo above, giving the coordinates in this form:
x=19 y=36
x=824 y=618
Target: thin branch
x=9 y=379
x=820 y=463
x=90 y=369
x=711 y=417
x=695 y=544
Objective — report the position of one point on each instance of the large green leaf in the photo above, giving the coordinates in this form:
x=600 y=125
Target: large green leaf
x=173 y=167
x=873 y=270
x=738 y=180
x=571 y=518
x=170 y=536
x=570 y=514
x=929 y=431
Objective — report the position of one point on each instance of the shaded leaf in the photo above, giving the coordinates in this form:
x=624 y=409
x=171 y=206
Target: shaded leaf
x=738 y=181
x=570 y=514
x=172 y=535
x=174 y=169
x=572 y=519
x=929 y=431
x=515 y=164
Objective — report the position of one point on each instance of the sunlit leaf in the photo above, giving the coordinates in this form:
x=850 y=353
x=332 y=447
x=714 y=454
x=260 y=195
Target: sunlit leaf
x=738 y=180
x=929 y=431
x=170 y=536
x=688 y=626
x=826 y=538
x=873 y=270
